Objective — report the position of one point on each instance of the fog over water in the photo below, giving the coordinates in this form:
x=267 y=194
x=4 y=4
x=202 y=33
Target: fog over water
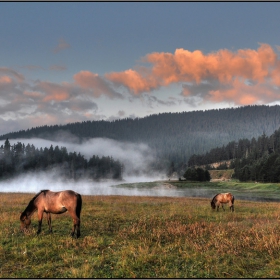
x=136 y=159
x=33 y=183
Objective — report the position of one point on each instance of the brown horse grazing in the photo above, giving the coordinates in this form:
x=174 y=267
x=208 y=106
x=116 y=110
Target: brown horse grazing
x=221 y=199
x=55 y=203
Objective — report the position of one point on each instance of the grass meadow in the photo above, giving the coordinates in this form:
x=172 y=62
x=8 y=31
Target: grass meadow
x=143 y=237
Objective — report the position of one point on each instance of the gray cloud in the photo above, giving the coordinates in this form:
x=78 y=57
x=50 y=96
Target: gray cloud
x=57 y=68
x=32 y=67
x=202 y=89
x=121 y=113
x=154 y=101
x=62 y=45
x=12 y=73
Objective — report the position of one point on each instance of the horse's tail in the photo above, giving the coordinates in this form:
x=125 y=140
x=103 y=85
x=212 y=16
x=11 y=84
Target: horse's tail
x=232 y=199
x=79 y=205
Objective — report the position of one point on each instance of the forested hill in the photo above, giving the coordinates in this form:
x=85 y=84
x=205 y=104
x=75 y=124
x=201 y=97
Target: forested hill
x=173 y=136
x=252 y=160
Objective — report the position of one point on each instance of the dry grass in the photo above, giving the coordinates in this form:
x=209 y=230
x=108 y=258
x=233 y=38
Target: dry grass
x=144 y=237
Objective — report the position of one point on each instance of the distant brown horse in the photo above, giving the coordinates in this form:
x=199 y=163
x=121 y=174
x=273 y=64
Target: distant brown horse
x=55 y=203
x=221 y=199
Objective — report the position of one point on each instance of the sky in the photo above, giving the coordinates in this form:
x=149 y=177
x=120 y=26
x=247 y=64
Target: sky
x=64 y=62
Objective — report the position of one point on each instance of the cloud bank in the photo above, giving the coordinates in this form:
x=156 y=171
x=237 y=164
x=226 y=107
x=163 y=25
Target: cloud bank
x=242 y=77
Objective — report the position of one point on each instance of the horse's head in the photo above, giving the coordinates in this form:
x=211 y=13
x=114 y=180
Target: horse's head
x=213 y=205
x=25 y=221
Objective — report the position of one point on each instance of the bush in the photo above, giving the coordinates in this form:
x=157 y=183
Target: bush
x=197 y=174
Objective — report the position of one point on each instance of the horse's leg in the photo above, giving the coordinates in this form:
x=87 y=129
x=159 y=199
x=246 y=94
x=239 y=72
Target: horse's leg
x=230 y=206
x=76 y=223
x=78 y=213
x=218 y=205
x=49 y=222
x=73 y=228
x=40 y=218
x=78 y=228
x=223 y=207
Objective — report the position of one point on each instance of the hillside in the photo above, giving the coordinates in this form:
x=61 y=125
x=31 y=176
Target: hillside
x=221 y=175
x=252 y=160
x=172 y=136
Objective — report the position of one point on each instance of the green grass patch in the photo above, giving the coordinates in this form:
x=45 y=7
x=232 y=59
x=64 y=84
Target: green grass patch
x=145 y=237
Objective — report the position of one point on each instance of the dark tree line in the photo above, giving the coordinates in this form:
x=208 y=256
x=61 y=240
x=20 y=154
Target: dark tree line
x=19 y=158
x=197 y=174
x=234 y=149
x=174 y=137
x=252 y=160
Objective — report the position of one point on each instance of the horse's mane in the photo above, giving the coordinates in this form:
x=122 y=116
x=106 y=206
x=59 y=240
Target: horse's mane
x=44 y=191
x=215 y=196
x=31 y=202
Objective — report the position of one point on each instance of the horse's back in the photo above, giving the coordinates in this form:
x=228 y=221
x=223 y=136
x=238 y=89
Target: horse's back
x=224 y=197
x=67 y=194
x=71 y=198
x=71 y=194
x=63 y=199
x=229 y=196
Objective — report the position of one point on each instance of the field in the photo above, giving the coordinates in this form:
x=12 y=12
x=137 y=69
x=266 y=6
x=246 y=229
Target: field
x=146 y=237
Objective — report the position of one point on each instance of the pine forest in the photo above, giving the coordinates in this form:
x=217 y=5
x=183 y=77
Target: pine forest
x=246 y=136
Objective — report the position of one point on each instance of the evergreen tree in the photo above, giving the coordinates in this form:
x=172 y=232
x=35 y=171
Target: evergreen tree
x=17 y=159
x=197 y=174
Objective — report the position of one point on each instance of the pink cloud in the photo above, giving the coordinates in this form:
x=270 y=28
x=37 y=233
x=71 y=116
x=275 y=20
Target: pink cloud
x=95 y=84
x=5 y=80
x=261 y=66
x=134 y=81
x=243 y=94
x=224 y=65
x=52 y=92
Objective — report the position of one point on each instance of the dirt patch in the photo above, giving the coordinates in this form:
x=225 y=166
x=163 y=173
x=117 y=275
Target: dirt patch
x=221 y=175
